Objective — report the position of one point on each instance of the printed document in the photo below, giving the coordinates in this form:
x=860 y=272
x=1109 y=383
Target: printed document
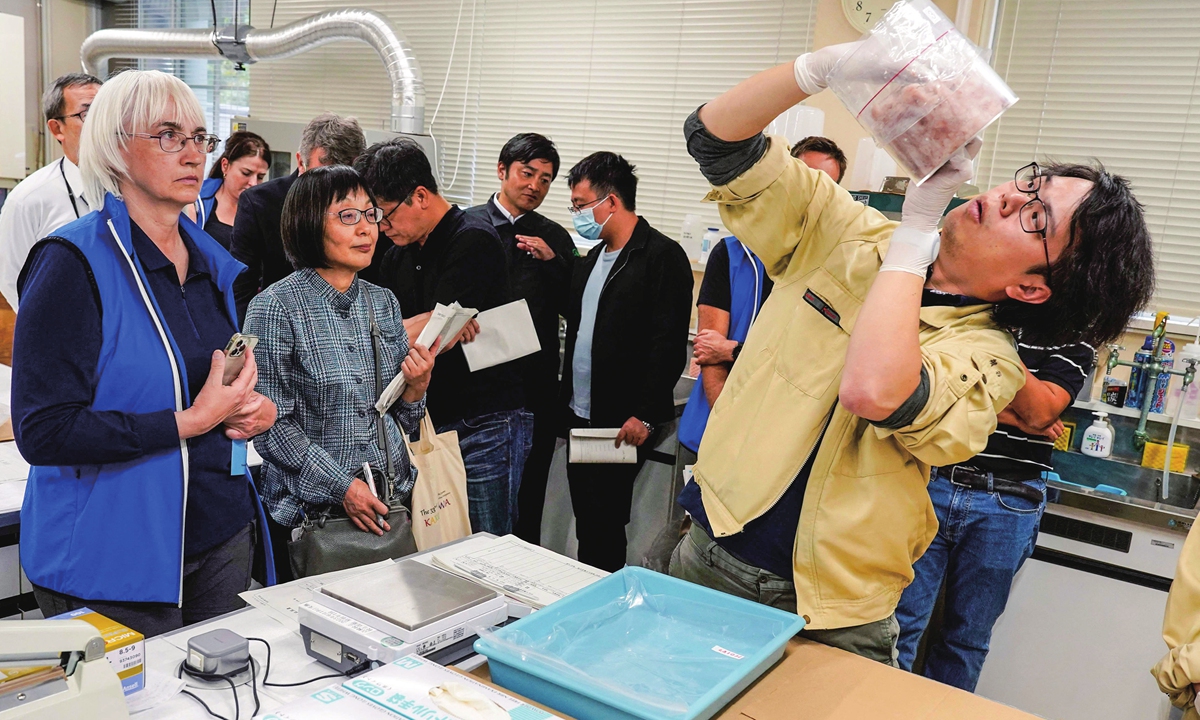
x=595 y=445
x=445 y=322
x=525 y=572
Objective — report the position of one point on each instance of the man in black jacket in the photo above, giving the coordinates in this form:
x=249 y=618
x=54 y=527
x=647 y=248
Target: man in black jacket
x=440 y=254
x=327 y=140
x=627 y=329
x=540 y=256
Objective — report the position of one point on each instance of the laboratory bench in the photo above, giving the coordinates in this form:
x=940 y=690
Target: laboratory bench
x=817 y=681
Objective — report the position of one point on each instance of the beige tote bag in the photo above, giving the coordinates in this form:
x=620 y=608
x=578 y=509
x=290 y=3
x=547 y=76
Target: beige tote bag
x=439 y=498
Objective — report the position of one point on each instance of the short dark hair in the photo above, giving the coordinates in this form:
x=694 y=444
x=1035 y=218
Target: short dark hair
x=395 y=168
x=239 y=145
x=54 y=100
x=528 y=147
x=825 y=146
x=1104 y=276
x=341 y=138
x=609 y=174
x=304 y=208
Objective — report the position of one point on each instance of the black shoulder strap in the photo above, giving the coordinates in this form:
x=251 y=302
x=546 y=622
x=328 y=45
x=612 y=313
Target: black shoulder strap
x=381 y=435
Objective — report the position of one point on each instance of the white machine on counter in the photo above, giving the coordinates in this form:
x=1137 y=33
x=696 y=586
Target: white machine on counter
x=74 y=679
x=393 y=611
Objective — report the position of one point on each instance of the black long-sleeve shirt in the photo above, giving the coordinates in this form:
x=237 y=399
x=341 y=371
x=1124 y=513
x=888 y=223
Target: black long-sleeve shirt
x=461 y=261
x=544 y=284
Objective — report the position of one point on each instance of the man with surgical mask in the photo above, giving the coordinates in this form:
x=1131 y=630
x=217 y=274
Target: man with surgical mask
x=627 y=329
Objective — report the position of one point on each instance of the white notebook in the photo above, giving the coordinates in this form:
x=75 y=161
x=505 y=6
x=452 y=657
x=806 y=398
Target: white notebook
x=596 y=445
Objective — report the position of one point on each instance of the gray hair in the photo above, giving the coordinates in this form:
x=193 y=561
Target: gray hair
x=341 y=138
x=130 y=102
x=54 y=102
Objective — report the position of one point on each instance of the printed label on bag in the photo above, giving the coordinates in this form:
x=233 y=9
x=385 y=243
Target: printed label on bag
x=730 y=653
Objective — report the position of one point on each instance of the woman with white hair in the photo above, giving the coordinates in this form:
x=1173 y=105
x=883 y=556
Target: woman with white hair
x=138 y=504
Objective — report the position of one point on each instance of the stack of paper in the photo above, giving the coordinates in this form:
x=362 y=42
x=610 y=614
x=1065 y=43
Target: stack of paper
x=445 y=323
x=526 y=573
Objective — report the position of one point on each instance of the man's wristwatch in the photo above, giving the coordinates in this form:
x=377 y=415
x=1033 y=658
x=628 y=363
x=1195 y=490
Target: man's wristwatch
x=737 y=350
x=649 y=427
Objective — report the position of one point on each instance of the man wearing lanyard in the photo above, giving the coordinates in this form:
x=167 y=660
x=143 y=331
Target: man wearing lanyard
x=51 y=197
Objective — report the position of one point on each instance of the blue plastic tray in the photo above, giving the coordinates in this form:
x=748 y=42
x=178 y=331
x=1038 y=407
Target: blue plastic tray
x=639 y=645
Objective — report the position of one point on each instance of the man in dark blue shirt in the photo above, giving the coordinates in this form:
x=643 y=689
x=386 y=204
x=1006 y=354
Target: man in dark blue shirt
x=541 y=256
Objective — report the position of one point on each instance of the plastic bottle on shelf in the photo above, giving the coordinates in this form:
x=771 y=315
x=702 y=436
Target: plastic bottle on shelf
x=706 y=245
x=1191 y=398
x=1098 y=439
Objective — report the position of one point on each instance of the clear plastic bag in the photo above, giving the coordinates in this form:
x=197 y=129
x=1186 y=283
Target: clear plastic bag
x=661 y=652
x=920 y=87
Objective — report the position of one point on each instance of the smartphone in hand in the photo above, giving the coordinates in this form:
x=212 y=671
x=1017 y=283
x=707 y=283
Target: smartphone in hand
x=235 y=355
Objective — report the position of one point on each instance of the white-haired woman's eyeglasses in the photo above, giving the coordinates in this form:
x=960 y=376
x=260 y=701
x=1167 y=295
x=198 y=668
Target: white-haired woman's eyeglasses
x=173 y=142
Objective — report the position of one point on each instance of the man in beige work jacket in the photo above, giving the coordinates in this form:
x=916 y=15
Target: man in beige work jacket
x=877 y=356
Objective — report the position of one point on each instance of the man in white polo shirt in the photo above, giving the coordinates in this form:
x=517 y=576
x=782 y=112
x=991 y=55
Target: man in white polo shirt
x=52 y=196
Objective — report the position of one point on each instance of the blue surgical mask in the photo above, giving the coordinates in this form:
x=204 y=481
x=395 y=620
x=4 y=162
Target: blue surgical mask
x=586 y=225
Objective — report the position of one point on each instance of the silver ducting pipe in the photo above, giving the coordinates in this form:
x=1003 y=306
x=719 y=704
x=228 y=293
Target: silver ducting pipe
x=251 y=45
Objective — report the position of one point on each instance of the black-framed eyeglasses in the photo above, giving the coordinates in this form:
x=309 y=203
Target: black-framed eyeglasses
x=576 y=210
x=388 y=215
x=1033 y=213
x=172 y=142
x=82 y=115
x=351 y=216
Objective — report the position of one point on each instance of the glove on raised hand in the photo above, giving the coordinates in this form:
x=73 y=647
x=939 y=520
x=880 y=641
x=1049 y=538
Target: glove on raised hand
x=914 y=245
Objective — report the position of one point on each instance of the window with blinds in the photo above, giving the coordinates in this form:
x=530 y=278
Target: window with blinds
x=223 y=91
x=1118 y=81
x=617 y=75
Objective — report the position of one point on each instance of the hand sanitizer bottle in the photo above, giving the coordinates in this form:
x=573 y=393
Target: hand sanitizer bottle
x=1098 y=439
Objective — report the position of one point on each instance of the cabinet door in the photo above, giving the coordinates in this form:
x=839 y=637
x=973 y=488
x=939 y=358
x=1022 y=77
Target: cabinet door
x=1072 y=645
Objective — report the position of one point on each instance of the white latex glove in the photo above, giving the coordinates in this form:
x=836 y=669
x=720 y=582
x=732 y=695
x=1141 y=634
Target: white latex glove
x=812 y=69
x=915 y=243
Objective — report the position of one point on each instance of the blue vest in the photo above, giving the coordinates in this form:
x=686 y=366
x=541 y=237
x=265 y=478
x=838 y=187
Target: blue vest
x=115 y=532
x=208 y=198
x=746 y=276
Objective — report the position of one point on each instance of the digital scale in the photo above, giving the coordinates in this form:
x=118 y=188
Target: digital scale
x=393 y=611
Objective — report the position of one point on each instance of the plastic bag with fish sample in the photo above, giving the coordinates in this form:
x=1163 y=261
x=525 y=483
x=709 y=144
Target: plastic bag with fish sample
x=920 y=87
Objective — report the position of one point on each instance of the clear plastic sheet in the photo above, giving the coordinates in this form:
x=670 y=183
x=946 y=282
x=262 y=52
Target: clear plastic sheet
x=920 y=87
x=661 y=652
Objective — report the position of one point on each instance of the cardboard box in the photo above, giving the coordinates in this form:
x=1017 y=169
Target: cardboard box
x=824 y=683
x=124 y=648
x=818 y=682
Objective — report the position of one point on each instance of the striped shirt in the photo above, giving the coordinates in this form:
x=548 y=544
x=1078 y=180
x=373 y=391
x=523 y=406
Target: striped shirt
x=315 y=361
x=1015 y=455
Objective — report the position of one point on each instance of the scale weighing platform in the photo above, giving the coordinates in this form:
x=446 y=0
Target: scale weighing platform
x=393 y=611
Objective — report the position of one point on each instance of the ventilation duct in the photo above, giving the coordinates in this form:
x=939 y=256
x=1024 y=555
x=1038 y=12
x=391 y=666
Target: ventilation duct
x=248 y=45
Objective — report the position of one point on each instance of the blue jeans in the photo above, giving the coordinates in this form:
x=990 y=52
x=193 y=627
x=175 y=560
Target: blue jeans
x=494 y=447
x=982 y=540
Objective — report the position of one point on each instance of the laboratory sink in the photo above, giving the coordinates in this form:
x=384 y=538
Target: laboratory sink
x=1141 y=483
